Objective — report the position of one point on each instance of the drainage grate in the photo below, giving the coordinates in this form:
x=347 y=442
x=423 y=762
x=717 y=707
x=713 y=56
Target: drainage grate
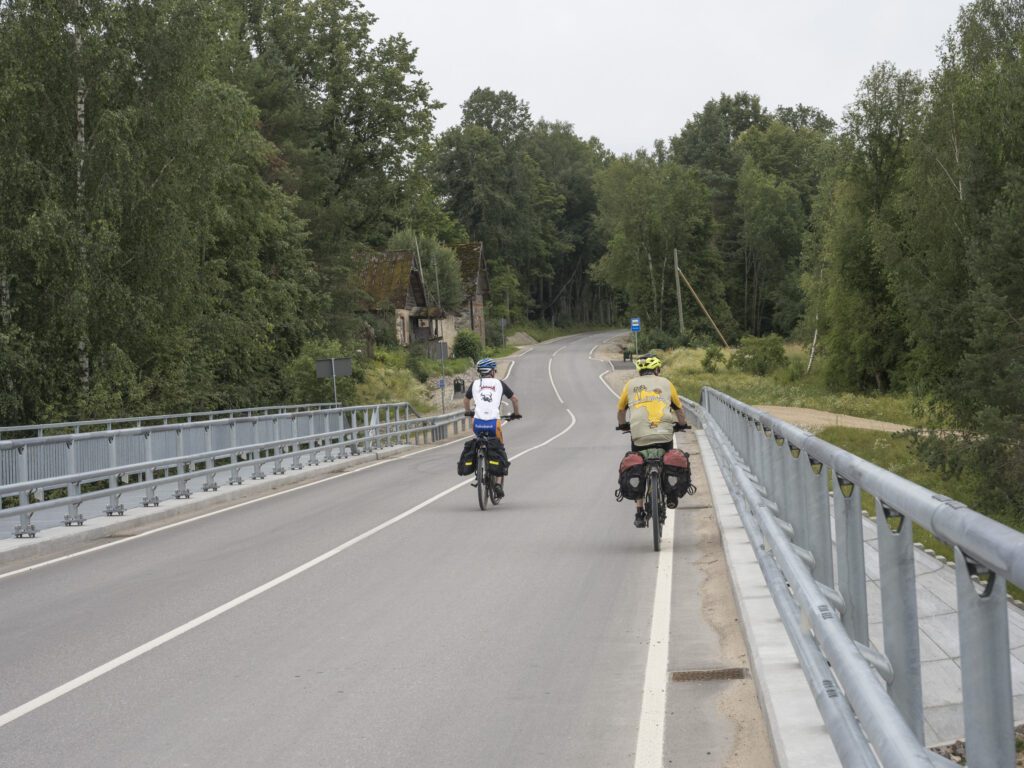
x=728 y=673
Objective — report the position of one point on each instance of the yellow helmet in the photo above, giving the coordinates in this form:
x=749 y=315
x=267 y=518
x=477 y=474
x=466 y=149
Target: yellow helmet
x=648 y=363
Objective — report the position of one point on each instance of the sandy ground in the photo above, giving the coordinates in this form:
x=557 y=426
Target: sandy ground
x=812 y=420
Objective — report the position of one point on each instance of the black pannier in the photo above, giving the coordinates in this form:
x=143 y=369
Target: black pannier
x=497 y=459
x=631 y=477
x=467 y=461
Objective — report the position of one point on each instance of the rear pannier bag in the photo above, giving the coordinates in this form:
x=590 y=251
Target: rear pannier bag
x=676 y=473
x=631 y=476
x=467 y=461
x=497 y=459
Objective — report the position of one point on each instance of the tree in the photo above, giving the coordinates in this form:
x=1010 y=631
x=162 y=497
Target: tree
x=496 y=190
x=647 y=209
x=858 y=239
x=959 y=276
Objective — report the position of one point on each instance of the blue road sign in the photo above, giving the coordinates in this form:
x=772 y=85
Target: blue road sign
x=634 y=325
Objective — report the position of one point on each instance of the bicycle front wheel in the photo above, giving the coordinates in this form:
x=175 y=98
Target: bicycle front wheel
x=483 y=480
x=654 y=507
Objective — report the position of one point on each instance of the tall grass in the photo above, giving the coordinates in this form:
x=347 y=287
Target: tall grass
x=895 y=453
x=789 y=385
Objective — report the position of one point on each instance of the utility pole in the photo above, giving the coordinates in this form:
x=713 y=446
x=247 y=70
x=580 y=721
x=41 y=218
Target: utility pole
x=679 y=291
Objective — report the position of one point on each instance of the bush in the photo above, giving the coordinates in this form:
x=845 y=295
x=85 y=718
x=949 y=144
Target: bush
x=655 y=338
x=713 y=357
x=416 y=361
x=759 y=355
x=467 y=344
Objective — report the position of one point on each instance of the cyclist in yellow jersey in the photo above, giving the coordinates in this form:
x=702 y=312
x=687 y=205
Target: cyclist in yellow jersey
x=654 y=408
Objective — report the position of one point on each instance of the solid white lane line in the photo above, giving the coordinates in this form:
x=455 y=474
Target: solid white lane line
x=552 y=378
x=609 y=386
x=590 y=354
x=650 y=740
x=510 y=367
x=559 y=350
x=61 y=690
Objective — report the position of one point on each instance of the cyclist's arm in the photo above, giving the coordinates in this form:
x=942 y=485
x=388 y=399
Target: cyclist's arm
x=467 y=401
x=677 y=404
x=623 y=404
x=506 y=391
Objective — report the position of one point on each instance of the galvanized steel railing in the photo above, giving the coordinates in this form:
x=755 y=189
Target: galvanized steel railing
x=64 y=427
x=780 y=477
x=113 y=462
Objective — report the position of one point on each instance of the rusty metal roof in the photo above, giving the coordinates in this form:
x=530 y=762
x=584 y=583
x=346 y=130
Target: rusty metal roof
x=390 y=279
x=472 y=267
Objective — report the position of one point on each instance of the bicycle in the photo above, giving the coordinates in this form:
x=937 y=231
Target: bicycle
x=654 y=495
x=485 y=483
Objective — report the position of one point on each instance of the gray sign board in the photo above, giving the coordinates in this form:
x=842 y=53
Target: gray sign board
x=333 y=367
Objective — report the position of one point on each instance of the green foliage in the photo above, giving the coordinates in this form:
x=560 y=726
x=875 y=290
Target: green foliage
x=684 y=367
x=713 y=357
x=649 y=209
x=467 y=344
x=758 y=356
x=655 y=338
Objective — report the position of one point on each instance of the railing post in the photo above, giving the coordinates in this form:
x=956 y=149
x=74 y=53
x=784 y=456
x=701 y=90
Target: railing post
x=850 y=551
x=899 y=614
x=819 y=521
x=210 y=484
x=150 y=497
x=25 y=527
x=73 y=516
x=114 y=506
x=182 y=491
x=257 y=467
x=985 y=666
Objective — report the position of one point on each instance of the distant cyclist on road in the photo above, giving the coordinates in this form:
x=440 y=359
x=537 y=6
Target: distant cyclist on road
x=487 y=392
x=651 y=400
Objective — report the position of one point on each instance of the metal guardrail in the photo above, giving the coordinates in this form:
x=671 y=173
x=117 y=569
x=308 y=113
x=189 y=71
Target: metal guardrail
x=74 y=427
x=170 y=455
x=780 y=477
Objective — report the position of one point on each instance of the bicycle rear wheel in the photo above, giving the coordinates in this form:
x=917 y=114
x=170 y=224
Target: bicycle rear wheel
x=483 y=479
x=654 y=507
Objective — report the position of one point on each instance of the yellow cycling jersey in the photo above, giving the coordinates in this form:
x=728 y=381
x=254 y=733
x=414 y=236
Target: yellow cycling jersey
x=650 y=400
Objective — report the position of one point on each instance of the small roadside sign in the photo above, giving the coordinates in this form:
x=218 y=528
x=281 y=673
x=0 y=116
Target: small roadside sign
x=634 y=325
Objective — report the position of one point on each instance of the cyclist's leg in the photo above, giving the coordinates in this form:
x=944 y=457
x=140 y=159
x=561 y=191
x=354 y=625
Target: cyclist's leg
x=501 y=439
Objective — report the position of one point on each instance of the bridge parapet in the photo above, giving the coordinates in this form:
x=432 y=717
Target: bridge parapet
x=789 y=486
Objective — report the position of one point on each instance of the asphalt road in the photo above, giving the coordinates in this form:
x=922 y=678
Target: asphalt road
x=374 y=618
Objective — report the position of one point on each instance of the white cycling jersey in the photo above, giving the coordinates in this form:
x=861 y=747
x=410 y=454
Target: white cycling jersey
x=486 y=394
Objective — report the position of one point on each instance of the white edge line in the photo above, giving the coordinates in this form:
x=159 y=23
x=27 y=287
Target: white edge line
x=197 y=518
x=609 y=386
x=555 y=354
x=510 y=367
x=54 y=694
x=590 y=354
x=650 y=740
x=552 y=379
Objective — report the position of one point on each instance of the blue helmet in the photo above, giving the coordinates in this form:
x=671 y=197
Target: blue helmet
x=486 y=365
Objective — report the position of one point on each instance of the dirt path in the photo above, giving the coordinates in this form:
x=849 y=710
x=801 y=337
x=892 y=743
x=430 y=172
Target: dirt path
x=812 y=420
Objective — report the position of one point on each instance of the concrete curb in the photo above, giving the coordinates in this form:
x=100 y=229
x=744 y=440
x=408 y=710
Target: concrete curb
x=62 y=540
x=795 y=727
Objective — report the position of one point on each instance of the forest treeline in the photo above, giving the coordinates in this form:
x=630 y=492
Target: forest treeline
x=186 y=187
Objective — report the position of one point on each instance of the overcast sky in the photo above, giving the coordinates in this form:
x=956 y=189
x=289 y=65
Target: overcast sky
x=632 y=71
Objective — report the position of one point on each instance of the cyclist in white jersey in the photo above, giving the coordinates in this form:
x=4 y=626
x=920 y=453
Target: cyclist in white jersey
x=487 y=392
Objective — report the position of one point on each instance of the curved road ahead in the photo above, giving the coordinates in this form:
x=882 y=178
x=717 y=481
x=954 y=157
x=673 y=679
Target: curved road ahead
x=379 y=618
